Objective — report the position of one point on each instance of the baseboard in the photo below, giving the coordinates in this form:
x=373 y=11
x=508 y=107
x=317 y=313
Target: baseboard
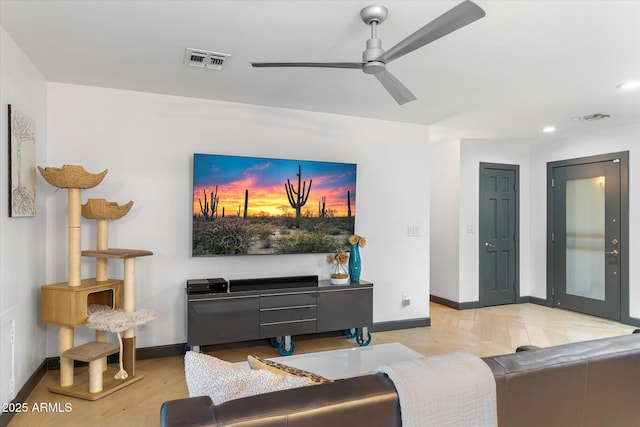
x=539 y=301
x=476 y=304
x=53 y=363
x=454 y=304
x=160 y=351
x=25 y=391
x=634 y=321
x=400 y=324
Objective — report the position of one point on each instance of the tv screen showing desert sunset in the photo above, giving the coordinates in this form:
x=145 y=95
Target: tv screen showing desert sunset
x=251 y=205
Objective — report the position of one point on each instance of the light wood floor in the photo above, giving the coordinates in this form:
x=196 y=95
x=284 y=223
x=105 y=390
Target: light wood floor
x=483 y=332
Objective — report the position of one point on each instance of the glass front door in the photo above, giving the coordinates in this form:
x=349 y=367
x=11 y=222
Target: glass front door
x=587 y=242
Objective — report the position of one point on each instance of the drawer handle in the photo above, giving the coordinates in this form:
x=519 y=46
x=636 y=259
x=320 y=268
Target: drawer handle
x=287 y=321
x=221 y=298
x=287 y=293
x=288 y=308
x=344 y=290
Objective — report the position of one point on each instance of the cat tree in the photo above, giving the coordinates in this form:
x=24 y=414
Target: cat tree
x=103 y=304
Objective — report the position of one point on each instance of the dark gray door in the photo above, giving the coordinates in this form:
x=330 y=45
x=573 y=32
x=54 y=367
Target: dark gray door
x=588 y=238
x=498 y=234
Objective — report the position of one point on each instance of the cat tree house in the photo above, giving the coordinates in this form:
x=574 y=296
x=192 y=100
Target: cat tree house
x=106 y=305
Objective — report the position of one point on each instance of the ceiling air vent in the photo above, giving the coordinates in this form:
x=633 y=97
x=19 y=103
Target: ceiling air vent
x=204 y=59
x=593 y=117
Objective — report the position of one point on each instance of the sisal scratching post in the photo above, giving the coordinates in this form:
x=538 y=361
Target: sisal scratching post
x=74 y=237
x=65 y=342
x=66 y=334
x=129 y=339
x=95 y=376
x=102 y=265
x=129 y=286
x=102 y=244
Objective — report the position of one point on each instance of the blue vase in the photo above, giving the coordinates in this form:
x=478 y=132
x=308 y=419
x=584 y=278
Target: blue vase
x=355 y=263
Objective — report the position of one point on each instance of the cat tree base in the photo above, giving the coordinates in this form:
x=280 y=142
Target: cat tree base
x=80 y=387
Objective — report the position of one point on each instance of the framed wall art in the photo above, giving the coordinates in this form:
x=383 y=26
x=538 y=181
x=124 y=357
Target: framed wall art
x=259 y=206
x=22 y=164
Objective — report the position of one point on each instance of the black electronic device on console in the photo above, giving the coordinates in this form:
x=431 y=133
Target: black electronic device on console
x=206 y=286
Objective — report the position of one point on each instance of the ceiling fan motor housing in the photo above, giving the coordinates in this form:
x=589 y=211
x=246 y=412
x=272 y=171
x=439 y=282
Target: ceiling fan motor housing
x=374 y=51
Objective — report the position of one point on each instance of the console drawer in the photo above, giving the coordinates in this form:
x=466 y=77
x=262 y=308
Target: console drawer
x=274 y=315
x=295 y=327
x=288 y=300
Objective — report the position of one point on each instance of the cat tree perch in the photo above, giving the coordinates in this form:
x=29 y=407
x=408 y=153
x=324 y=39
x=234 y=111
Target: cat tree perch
x=103 y=304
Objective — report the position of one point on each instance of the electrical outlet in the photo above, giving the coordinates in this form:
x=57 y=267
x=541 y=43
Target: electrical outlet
x=142 y=328
x=405 y=300
x=413 y=230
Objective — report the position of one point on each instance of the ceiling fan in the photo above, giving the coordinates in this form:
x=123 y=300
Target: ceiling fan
x=375 y=59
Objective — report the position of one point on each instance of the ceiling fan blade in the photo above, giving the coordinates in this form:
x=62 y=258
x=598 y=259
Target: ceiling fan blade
x=357 y=65
x=463 y=14
x=395 y=88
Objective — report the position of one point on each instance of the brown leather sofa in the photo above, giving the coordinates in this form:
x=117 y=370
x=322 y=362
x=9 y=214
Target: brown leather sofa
x=587 y=384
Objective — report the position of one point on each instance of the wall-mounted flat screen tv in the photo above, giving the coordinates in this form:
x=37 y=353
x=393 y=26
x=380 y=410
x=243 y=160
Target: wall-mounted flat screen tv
x=252 y=205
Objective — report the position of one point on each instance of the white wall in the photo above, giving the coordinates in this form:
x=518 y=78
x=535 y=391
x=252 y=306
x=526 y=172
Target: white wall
x=472 y=153
x=445 y=220
x=22 y=249
x=147 y=142
x=593 y=143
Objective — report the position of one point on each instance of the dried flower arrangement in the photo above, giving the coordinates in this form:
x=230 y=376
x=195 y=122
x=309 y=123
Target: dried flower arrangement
x=358 y=240
x=340 y=258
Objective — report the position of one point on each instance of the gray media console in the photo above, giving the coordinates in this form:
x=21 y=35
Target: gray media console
x=276 y=309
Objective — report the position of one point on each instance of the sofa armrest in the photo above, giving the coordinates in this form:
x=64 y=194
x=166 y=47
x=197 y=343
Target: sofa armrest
x=594 y=380
x=363 y=401
x=193 y=411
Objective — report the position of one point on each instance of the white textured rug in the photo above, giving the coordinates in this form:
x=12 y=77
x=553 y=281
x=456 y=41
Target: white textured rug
x=209 y=376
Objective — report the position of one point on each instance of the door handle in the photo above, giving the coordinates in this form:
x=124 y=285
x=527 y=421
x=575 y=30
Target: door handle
x=613 y=252
x=488 y=245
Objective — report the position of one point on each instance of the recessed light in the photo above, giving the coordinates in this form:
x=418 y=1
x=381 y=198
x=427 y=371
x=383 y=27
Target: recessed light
x=549 y=129
x=631 y=85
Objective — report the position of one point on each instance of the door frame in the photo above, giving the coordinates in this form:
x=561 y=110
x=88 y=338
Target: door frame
x=624 y=224
x=516 y=169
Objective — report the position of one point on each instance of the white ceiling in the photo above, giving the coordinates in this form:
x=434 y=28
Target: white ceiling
x=525 y=65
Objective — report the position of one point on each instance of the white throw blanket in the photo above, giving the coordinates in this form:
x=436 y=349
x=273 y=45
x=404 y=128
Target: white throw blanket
x=454 y=389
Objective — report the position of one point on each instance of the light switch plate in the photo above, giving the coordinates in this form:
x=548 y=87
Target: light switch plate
x=413 y=231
